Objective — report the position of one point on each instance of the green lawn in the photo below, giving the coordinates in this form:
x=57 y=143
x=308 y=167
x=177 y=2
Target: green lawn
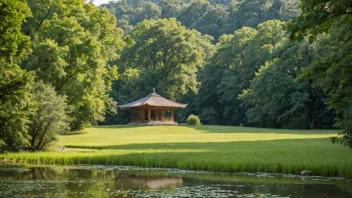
x=213 y=148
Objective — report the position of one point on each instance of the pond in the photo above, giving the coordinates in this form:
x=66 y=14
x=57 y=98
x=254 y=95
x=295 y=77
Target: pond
x=124 y=182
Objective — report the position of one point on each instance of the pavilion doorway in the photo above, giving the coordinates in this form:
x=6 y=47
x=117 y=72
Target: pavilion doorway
x=146 y=114
x=152 y=114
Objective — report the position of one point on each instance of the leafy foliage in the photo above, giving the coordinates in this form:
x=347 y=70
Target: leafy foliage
x=285 y=101
x=317 y=17
x=193 y=120
x=166 y=56
x=231 y=61
x=73 y=42
x=237 y=58
x=208 y=17
x=328 y=24
x=163 y=55
x=15 y=96
x=49 y=118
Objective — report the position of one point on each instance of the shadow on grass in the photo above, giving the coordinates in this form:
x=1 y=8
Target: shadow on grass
x=225 y=129
x=223 y=147
x=238 y=129
x=120 y=126
x=73 y=133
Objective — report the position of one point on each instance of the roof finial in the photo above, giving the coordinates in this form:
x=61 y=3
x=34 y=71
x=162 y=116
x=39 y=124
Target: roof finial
x=153 y=90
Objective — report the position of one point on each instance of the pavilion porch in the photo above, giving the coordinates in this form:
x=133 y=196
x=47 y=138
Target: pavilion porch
x=154 y=123
x=154 y=110
x=153 y=115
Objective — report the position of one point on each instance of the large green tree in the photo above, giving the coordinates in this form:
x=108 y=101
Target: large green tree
x=165 y=55
x=207 y=103
x=276 y=98
x=328 y=24
x=15 y=94
x=73 y=42
x=234 y=56
x=241 y=55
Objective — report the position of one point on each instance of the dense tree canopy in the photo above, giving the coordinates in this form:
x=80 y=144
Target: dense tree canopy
x=239 y=56
x=208 y=17
x=328 y=24
x=258 y=42
x=285 y=101
x=262 y=63
x=72 y=43
x=166 y=56
x=15 y=97
x=318 y=16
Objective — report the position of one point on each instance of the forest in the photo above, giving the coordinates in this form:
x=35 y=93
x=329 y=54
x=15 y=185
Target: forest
x=67 y=64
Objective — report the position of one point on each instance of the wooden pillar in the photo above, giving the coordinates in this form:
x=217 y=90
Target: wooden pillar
x=139 y=115
x=142 y=115
x=132 y=115
x=172 y=115
x=162 y=115
x=148 y=114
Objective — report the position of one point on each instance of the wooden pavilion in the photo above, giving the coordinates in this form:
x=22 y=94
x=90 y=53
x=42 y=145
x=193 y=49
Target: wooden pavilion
x=153 y=109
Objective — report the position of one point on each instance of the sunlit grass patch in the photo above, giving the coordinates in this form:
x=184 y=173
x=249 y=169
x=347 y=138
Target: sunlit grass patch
x=99 y=136
x=211 y=148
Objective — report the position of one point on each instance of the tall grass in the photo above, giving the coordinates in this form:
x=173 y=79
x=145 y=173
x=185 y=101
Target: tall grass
x=210 y=148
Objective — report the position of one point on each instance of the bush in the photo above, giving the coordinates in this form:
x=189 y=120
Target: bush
x=193 y=120
x=49 y=119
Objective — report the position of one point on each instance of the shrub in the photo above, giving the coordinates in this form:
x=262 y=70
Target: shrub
x=193 y=120
x=49 y=119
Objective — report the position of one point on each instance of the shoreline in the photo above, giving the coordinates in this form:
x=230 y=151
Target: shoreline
x=171 y=171
x=90 y=161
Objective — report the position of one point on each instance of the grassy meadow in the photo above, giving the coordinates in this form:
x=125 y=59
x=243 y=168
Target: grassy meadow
x=210 y=148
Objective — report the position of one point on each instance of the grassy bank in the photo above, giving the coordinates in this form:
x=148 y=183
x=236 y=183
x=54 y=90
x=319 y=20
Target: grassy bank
x=211 y=148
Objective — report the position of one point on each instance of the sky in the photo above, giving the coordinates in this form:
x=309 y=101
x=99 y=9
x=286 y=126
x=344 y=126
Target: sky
x=98 y=2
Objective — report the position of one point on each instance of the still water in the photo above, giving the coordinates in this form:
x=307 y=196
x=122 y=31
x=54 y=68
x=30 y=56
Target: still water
x=124 y=182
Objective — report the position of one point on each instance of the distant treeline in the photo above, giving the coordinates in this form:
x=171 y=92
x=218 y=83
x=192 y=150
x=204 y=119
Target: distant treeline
x=247 y=75
x=213 y=17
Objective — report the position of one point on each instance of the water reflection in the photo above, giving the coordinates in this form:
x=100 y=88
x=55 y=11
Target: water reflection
x=90 y=181
x=158 y=182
